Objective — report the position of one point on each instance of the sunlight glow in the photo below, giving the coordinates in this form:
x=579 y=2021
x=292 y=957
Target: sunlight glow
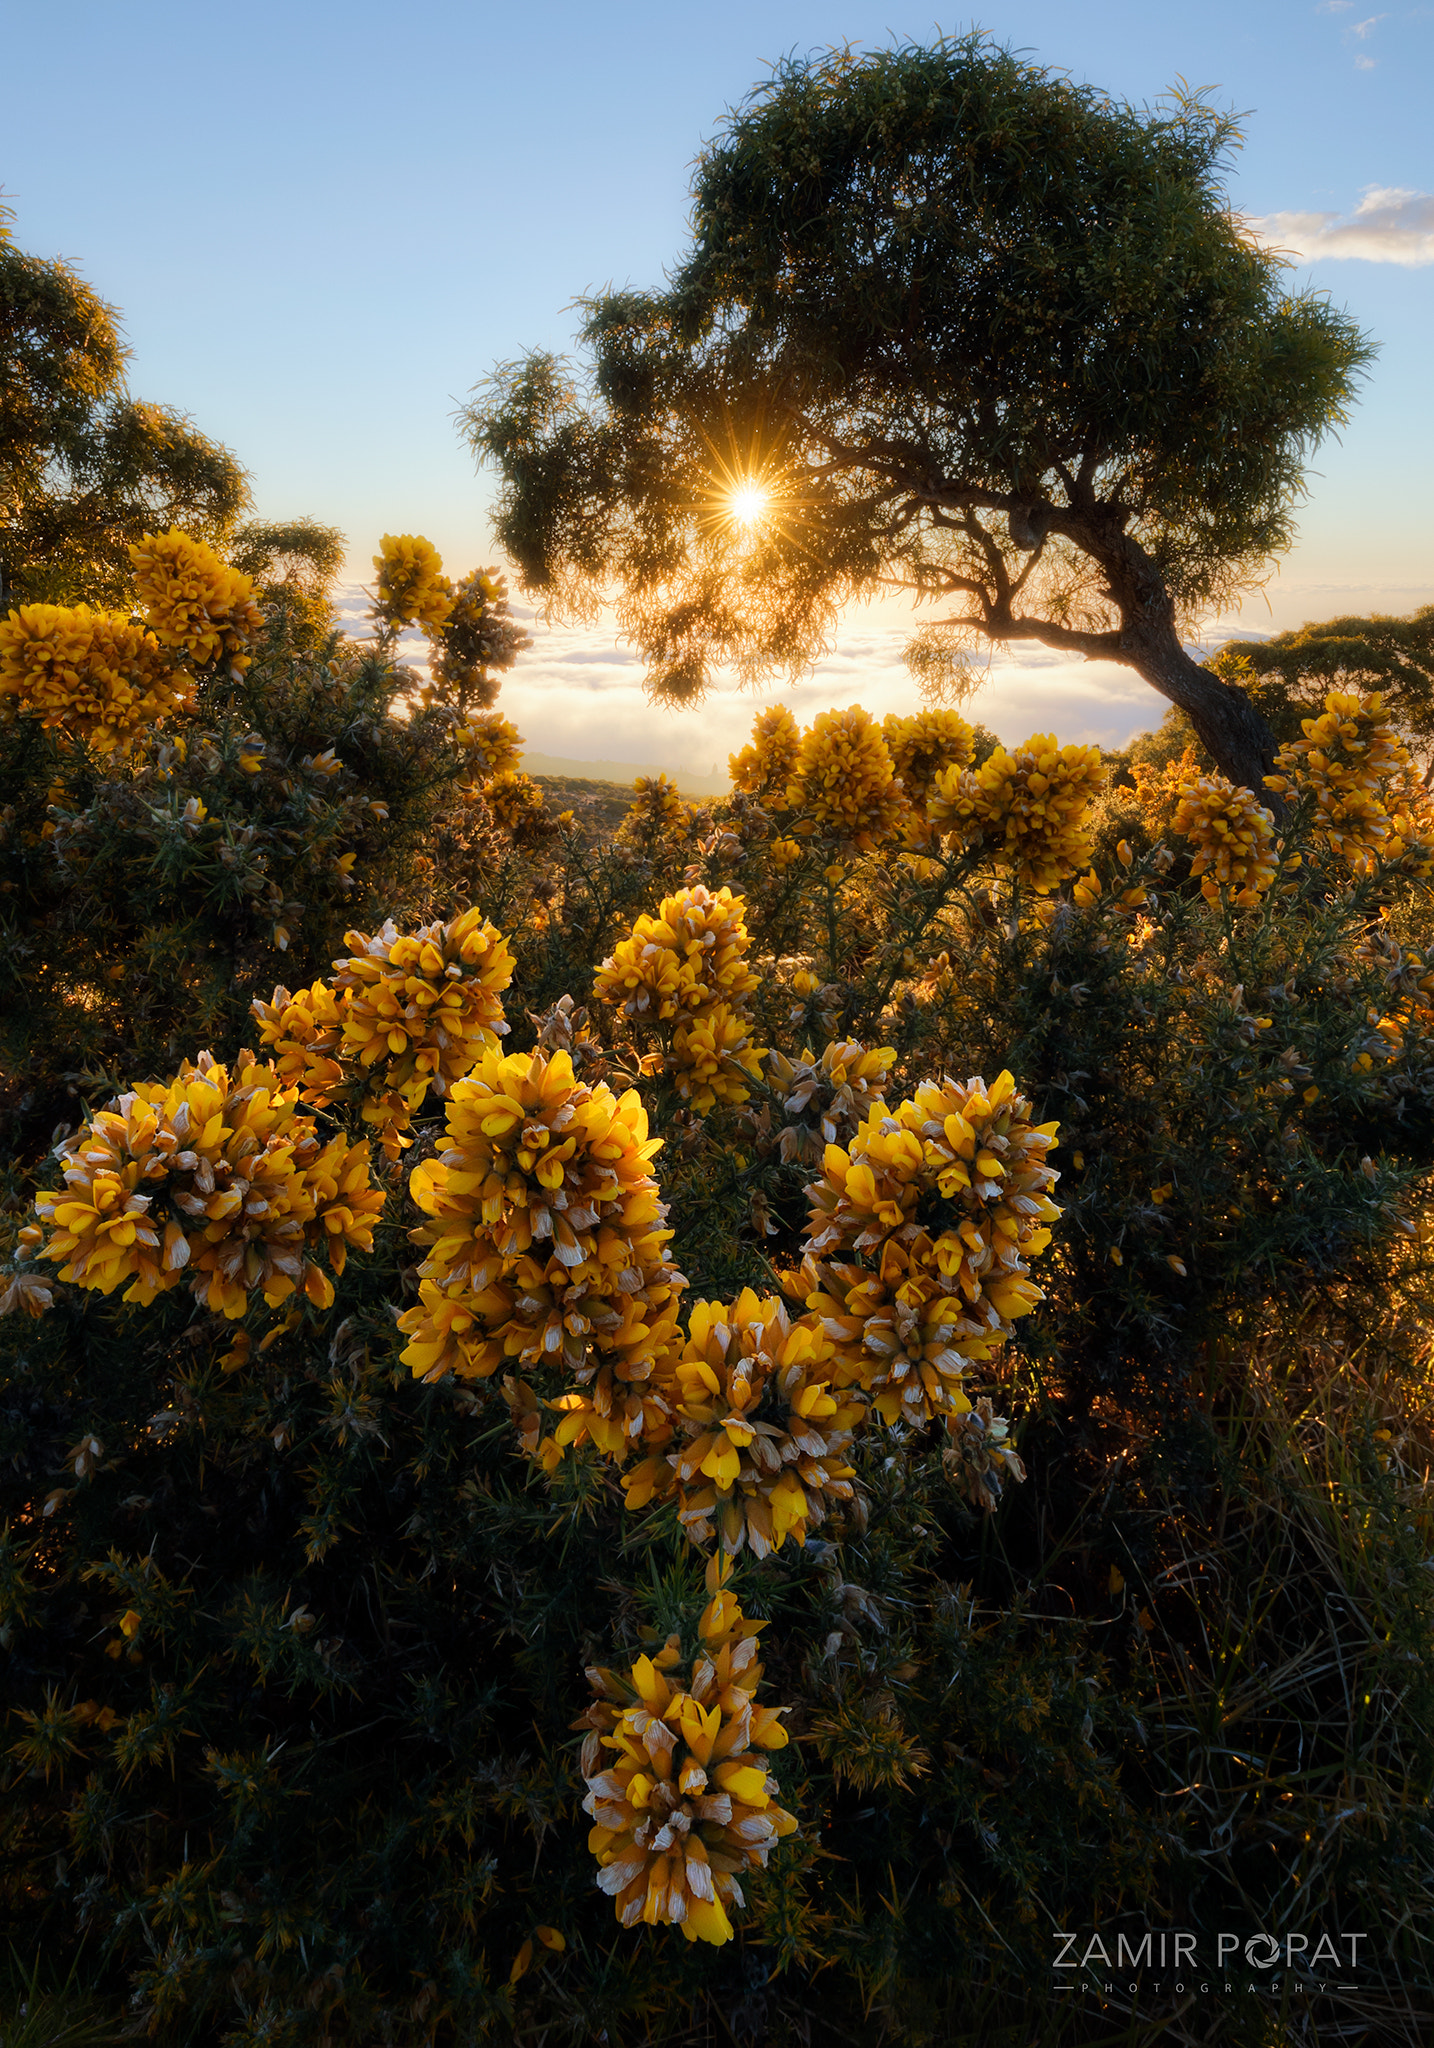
x=748 y=502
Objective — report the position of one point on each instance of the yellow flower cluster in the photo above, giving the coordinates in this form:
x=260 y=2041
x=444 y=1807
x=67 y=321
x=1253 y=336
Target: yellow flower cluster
x=412 y=588
x=657 y=811
x=95 y=675
x=688 y=967
x=843 y=782
x=1233 y=835
x=925 y=746
x=829 y=1096
x=192 y=602
x=765 y=1456
x=710 y=1055
x=546 y=1245
x=1029 y=809
x=516 y=802
x=494 y=744
x=1406 y=1028
x=1369 y=804
x=768 y=764
x=919 y=1240
x=679 y=1791
x=211 y=1177
x=1157 y=790
x=405 y=1012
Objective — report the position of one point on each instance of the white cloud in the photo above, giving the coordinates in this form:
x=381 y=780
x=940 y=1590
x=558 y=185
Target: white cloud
x=1366 y=27
x=1389 y=225
x=1366 y=63
x=1335 y=7
x=577 y=694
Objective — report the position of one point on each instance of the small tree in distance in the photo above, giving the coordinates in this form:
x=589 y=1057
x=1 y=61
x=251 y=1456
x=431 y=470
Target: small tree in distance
x=953 y=324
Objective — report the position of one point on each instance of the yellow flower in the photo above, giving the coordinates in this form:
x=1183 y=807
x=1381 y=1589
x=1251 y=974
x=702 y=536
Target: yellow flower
x=656 y=811
x=766 y=766
x=496 y=743
x=546 y=1247
x=412 y=588
x=1029 y=809
x=978 y=1455
x=843 y=781
x=767 y=1433
x=925 y=746
x=406 y=1012
x=1370 y=804
x=680 y=1795
x=1233 y=835
x=476 y=635
x=92 y=674
x=920 y=1237
x=516 y=801
x=683 y=962
x=829 y=1096
x=303 y=1034
x=710 y=1055
x=211 y=1178
x=192 y=602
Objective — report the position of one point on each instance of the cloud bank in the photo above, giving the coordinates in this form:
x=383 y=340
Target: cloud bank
x=578 y=694
x=1389 y=225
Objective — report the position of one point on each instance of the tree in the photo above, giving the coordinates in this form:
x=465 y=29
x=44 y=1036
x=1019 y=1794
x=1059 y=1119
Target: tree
x=1287 y=677
x=84 y=467
x=949 y=323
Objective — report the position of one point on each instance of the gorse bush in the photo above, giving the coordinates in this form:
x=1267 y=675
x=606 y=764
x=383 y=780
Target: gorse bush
x=706 y=1434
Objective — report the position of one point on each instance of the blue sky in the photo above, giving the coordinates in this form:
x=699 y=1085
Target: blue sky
x=323 y=223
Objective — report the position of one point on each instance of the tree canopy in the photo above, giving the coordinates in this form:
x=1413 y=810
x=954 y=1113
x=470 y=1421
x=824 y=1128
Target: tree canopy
x=952 y=323
x=1287 y=677
x=85 y=468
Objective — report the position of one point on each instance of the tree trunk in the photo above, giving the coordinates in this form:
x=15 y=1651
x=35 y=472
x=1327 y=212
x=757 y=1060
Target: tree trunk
x=1229 y=727
x=1231 y=730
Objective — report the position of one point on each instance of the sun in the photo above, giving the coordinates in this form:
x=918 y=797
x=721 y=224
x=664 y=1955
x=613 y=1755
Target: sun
x=747 y=502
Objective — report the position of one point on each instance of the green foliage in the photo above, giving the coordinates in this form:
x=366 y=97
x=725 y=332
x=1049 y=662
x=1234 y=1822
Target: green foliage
x=84 y=468
x=1288 y=677
x=970 y=326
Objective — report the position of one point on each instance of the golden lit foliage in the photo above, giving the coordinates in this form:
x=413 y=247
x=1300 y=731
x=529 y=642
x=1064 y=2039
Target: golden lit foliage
x=1233 y=836
x=214 y=1178
x=1028 y=810
x=412 y=588
x=192 y=603
x=403 y=1013
x=680 y=1794
x=96 y=676
x=920 y=1236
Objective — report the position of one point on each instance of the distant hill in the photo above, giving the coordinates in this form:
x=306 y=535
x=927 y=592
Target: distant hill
x=624 y=772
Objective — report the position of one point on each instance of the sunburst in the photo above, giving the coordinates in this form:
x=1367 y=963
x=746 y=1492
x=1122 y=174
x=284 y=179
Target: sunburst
x=749 y=501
